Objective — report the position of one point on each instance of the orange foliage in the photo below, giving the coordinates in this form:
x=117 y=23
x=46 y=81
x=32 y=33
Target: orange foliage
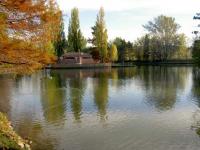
x=27 y=30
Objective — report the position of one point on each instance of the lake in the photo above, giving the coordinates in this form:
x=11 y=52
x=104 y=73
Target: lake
x=140 y=108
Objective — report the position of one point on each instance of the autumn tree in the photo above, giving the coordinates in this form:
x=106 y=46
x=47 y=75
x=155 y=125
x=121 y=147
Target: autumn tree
x=55 y=40
x=100 y=37
x=113 y=53
x=26 y=32
x=76 y=41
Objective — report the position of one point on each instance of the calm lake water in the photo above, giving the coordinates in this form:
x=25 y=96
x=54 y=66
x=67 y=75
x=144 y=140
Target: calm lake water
x=138 y=108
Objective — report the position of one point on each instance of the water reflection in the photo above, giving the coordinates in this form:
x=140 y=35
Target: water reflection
x=5 y=90
x=196 y=122
x=35 y=132
x=48 y=106
x=196 y=93
x=100 y=87
x=53 y=98
x=161 y=84
x=196 y=84
x=77 y=88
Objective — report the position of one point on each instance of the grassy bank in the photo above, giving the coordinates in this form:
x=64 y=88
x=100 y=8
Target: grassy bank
x=8 y=138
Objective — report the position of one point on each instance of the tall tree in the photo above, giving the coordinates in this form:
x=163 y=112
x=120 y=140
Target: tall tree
x=100 y=36
x=196 y=51
x=113 y=53
x=52 y=27
x=146 y=47
x=138 y=47
x=76 y=41
x=124 y=49
x=165 y=29
x=60 y=43
x=182 y=52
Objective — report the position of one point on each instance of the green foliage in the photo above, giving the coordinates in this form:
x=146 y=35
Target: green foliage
x=60 y=43
x=76 y=41
x=101 y=94
x=125 y=49
x=196 y=51
x=100 y=36
x=162 y=43
x=139 y=48
x=53 y=99
x=149 y=48
x=146 y=47
x=164 y=30
x=182 y=52
x=113 y=53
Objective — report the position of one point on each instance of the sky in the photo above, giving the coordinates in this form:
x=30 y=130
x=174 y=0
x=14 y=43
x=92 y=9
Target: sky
x=124 y=18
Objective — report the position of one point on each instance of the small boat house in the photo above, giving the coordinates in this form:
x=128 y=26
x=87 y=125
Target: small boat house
x=76 y=58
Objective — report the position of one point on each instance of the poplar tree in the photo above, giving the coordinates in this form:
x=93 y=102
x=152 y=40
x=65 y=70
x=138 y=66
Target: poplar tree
x=113 y=53
x=100 y=36
x=60 y=43
x=76 y=41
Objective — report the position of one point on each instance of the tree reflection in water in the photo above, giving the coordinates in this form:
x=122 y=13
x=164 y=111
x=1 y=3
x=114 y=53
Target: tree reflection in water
x=48 y=107
x=196 y=122
x=161 y=84
x=36 y=133
x=77 y=87
x=196 y=93
x=196 y=84
x=53 y=99
x=100 y=89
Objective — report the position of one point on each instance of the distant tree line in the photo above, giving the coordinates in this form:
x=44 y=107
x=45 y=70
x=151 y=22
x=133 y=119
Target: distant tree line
x=196 y=44
x=161 y=43
x=35 y=36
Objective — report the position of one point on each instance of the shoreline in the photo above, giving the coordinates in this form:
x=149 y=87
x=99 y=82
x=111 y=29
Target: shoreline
x=19 y=70
x=9 y=139
x=124 y=64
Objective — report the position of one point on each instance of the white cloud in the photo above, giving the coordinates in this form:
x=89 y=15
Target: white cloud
x=135 y=12
x=120 y=5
